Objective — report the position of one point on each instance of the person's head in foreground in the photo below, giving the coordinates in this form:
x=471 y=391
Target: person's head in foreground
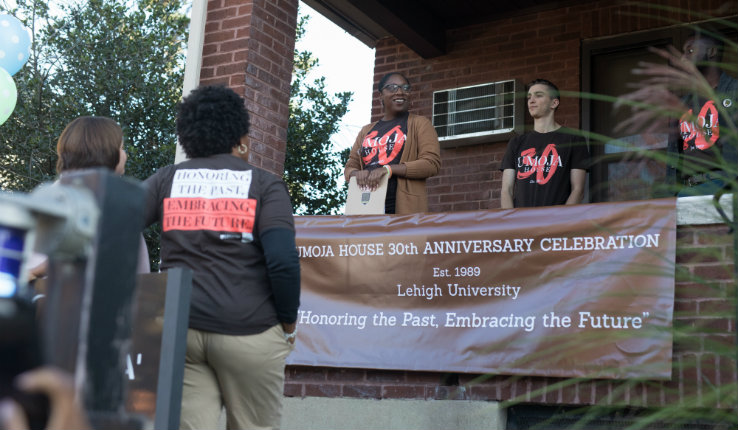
x=212 y=120
x=91 y=141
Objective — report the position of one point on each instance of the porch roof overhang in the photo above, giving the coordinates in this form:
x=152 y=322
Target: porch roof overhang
x=420 y=24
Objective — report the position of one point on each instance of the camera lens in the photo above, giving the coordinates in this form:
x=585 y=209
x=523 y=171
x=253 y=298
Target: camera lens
x=11 y=258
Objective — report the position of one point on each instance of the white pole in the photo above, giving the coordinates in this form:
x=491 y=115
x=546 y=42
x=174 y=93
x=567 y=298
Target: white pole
x=193 y=62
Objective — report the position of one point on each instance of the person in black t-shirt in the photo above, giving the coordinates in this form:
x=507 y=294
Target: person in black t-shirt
x=697 y=140
x=546 y=166
x=702 y=146
x=231 y=224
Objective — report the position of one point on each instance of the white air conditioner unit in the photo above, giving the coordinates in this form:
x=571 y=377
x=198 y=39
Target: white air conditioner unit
x=480 y=113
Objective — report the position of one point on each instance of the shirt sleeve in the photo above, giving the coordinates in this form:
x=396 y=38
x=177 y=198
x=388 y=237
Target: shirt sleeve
x=152 y=212
x=508 y=160
x=354 y=161
x=428 y=162
x=283 y=270
x=276 y=232
x=730 y=145
x=673 y=160
x=276 y=208
x=580 y=155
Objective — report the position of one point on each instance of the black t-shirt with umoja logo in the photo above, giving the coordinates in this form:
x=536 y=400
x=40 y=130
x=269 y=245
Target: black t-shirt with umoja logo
x=699 y=127
x=382 y=146
x=543 y=163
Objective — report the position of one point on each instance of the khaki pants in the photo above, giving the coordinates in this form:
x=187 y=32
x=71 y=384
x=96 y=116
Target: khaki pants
x=243 y=373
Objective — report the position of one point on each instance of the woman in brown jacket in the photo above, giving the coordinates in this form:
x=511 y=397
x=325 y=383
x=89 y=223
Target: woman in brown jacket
x=401 y=145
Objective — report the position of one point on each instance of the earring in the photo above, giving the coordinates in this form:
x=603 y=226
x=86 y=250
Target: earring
x=243 y=149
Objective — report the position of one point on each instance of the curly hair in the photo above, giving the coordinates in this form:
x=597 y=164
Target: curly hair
x=211 y=120
x=89 y=141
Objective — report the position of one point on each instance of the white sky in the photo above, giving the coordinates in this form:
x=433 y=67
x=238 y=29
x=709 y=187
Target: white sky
x=347 y=64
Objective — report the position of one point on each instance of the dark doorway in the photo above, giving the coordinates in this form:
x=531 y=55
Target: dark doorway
x=621 y=169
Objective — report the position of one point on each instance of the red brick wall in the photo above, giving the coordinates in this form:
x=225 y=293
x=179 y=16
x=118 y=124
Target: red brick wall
x=704 y=362
x=547 y=44
x=543 y=44
x=249 y=46
x=705 y=308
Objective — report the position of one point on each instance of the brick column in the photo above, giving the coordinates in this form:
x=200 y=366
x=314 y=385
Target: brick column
x=249 y=46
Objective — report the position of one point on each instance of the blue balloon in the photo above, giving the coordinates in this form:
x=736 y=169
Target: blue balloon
x=15 y=44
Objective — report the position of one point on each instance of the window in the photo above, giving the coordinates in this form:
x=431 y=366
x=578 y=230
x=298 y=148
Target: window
x=472 y=114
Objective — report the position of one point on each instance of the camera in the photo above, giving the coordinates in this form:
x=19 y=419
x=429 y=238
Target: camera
x=88 y=224
x=20 y=344
x=23 y=218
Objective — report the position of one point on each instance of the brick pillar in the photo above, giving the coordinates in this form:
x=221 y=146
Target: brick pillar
x=249 y=47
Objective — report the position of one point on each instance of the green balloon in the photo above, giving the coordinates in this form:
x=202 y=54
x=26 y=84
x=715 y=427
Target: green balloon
x=8 y=95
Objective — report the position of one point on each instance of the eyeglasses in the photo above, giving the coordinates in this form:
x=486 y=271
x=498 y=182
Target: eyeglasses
x=393 y=88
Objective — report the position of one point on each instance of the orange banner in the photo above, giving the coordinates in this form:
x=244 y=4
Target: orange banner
x=565 y=291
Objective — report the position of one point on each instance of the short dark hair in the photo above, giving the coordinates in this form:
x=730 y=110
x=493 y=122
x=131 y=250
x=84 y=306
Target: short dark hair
x=710 y=35
x=386 y=77
x=553 y=89
x=211 y=120
x=89 y=141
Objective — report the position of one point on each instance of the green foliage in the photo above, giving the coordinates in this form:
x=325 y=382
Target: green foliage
x=311 y=167
x=124 y=60
x=116 y=58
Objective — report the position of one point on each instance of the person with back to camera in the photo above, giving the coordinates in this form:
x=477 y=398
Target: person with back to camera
x=90 y=142
x=231 y=224
x=402 y=145
x=546 y=166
